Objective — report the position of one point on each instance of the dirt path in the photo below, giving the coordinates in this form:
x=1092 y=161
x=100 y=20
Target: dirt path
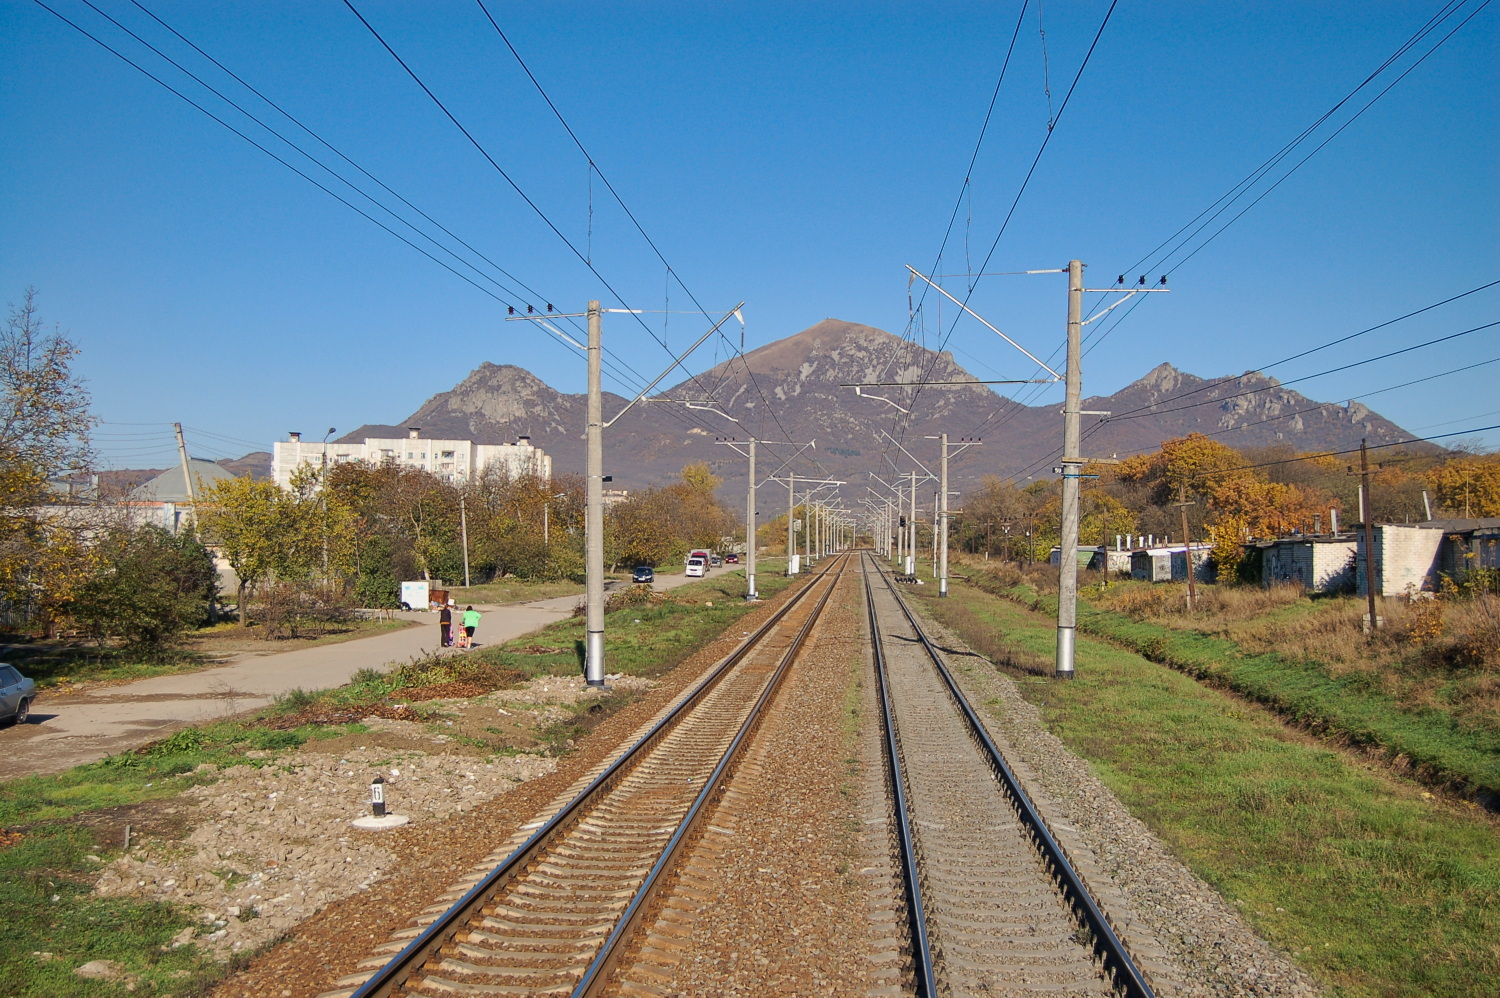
x=68 y=731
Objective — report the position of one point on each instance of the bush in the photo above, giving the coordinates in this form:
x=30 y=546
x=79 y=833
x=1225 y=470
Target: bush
x=290 y=608
x=151 y=586
x=377 y=592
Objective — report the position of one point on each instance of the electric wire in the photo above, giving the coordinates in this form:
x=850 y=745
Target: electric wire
x=613 y=364
x=671 y=271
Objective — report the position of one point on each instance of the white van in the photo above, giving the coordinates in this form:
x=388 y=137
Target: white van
x=696 y=568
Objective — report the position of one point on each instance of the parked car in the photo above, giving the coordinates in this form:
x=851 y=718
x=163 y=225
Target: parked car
x=696 y=568
x=643 y=573
x=715 y=561
x=16 y=694
x=731 y=559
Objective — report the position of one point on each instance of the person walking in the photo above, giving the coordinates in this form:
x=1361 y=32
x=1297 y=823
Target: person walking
x=471 y=621
x=445 y=626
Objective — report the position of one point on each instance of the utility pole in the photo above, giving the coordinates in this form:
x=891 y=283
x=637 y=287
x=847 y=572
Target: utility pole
x=463 y=525
x=791 y=533
x=593 y=524
x=594 y=521
x=1067 y=582
x=751 y=594
x=1364 y=514
x=1187 y=540
x=911 y=527
x=940 y=543
x=187 y=471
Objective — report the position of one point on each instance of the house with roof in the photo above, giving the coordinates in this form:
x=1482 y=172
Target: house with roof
x=166 y=500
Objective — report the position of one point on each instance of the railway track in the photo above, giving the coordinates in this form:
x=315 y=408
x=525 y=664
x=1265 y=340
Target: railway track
x=557 y=914
x=993 y=904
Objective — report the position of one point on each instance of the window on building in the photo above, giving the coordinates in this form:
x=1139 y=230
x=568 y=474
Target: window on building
x=447 y=453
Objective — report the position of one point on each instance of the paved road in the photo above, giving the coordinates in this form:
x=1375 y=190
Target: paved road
x=85 y=727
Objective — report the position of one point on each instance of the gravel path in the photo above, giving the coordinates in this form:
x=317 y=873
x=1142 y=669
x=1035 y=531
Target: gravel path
x=431 y=856
x=1209 y=949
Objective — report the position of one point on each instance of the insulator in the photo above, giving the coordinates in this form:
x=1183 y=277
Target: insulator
x=510 y=309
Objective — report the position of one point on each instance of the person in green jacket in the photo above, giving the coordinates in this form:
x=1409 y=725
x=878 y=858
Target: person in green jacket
x=471 y=621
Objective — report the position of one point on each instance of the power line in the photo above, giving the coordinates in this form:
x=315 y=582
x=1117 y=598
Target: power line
x=614 y=366
x=1313 y=350
x=594 y=168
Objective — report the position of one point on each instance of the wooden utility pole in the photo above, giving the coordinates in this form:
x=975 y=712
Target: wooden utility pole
x=1187 y=540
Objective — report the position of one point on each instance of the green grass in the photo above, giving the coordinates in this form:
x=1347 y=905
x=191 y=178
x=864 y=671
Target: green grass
x=52 y=812
x=46 y=901
x=1442 y=750
x=514 y=591
x=1374 y=886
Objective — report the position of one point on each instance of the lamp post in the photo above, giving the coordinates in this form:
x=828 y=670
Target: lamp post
x=323 y=490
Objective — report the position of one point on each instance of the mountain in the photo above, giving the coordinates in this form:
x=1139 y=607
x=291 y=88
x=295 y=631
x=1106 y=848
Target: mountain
x=792 y=389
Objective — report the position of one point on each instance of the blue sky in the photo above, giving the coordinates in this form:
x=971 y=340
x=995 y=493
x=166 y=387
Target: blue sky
x=795 y=156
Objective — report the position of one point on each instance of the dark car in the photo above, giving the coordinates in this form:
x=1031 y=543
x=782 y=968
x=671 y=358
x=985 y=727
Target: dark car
x=643 y=573
x=16 y=694
x=731 y=559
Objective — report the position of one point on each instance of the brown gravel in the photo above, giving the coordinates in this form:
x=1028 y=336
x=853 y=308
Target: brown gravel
x=431 y=856
x=776 y=906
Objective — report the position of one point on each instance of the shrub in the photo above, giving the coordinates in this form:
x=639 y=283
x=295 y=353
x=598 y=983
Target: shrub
x=377 y=592
x=290 y=608
x=150 y=587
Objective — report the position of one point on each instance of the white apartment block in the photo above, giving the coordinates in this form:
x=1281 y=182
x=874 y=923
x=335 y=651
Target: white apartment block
x=451 y=460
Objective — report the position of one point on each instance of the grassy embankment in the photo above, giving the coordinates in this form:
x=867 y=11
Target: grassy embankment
x=1374 y=885
x=1420 y=693
x=56 y=831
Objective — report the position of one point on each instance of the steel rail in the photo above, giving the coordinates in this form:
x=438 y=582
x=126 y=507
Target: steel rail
x=384 y=982
x=925 y=971
x=1127 y=976
x=598 y=973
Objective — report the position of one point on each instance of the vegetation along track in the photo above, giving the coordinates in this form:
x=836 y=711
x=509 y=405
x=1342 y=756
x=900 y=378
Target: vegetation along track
x=553 y=918
x=994 y=905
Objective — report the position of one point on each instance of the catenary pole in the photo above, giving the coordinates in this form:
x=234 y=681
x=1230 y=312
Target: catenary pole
x=1072 y=464
x=791 y=533
x=750 y=592
x=594 y=522
x=911 y=528
x=943 y=522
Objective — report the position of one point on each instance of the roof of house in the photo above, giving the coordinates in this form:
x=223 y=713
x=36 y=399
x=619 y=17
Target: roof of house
x=170 y=486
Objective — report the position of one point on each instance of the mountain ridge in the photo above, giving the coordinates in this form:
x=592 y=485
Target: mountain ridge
x=799 y=392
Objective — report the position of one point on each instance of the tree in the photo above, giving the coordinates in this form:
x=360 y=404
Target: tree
x=245 y=519
x=44 y=428
x=148 y=586
x=1468 y=486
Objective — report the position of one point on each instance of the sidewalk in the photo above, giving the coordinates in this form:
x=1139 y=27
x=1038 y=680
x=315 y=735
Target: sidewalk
x=85 y=727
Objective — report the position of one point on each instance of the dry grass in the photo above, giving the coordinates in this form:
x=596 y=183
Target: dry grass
x=1434 y=653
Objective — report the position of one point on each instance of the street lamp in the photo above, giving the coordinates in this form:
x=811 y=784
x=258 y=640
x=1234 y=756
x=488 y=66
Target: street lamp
x=323 y=492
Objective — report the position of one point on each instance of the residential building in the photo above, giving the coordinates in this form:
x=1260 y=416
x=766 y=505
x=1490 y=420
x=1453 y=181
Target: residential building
x=451 y=460
x=166 y=500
